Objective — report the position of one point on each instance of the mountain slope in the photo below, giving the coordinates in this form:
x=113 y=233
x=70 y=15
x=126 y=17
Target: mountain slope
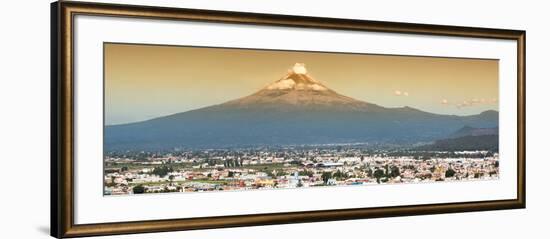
x=471 y=131
x=479 y=142
x=467 y=138
x=298 y=91
x=296 y=109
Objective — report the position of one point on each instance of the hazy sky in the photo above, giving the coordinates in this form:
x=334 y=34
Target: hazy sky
x=147 y=81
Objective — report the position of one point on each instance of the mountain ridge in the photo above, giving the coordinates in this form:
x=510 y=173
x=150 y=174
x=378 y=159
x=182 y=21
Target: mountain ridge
x=296 y=109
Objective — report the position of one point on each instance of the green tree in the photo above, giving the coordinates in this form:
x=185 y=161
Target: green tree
x=305 y=173
x=162 y=171
x=369 y=172
x=394 y=171
x=326 y=176
x=339 y=174
x=171 y=178
x=113 y=180
x=387 y=170
x=450 y=173
x=378 y=173
x=139 y=189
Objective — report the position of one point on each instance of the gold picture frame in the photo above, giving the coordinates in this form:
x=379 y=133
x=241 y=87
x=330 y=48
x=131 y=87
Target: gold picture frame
x=62 y=123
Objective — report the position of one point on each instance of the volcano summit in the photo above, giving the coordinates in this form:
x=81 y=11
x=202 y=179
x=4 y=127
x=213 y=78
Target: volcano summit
x=294 y=110
x=298 y=91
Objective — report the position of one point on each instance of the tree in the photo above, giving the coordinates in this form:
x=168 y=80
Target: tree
x=339 y=174
x=139 y=189
x=326 y=176
x=171 y=178
x=162 y=171
x=394 y=171
x=305 y=173
x=450 y=173
x=378 y=173
x=387 y=170
x=369 y=172
x=113 y=180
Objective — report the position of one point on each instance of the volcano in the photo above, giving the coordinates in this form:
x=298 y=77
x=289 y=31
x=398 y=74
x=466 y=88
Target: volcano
x=294 y=110
x=298 y=91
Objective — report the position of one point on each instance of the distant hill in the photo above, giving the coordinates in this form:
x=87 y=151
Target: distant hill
x=468 y=143
x=467 y=138
x=471 y=131
x=295 y=109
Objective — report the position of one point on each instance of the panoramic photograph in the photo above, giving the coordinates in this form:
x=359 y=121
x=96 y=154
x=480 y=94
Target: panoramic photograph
x=193 y=119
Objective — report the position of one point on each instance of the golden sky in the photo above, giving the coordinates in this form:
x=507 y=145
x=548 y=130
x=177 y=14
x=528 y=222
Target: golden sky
x=148 y=81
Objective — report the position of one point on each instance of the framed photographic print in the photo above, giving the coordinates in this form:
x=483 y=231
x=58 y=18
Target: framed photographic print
x=173 y=119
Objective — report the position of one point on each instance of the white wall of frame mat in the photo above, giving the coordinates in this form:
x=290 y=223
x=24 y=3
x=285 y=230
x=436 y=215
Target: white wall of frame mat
x=24 y=120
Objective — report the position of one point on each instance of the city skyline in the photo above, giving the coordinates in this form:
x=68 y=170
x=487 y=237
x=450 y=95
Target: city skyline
x=148 y=81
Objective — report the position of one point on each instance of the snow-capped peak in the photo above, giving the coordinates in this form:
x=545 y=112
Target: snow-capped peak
x=299 y=68
x=297 y=79
x=283 y=84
